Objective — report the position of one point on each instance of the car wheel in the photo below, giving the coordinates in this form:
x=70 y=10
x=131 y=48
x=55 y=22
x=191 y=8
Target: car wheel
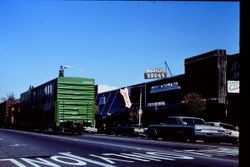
x=152 y=134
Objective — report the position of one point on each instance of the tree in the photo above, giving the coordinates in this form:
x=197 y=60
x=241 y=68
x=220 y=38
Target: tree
x=8 y=96
x=194 y=103
x=132 y=116
x=2 y=99
x=11 y=96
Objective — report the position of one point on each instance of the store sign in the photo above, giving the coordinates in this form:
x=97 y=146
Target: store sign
x=156 y=104
x=155 y=73
x=126 y=98
x=165 y=87
x=233 y=86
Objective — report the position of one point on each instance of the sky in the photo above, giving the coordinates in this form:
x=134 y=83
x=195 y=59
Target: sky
x=113 y=42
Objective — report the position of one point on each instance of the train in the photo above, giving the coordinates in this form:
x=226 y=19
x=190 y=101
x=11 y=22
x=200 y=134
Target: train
x=7 y=112
x=62 y=104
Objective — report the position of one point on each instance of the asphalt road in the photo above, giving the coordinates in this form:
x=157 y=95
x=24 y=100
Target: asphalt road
x=19 y=148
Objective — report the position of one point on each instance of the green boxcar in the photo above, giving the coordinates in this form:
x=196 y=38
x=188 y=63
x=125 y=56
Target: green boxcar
x=64 y=104
x=74 y=101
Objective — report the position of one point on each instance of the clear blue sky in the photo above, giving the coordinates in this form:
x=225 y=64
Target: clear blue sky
x=113 y=42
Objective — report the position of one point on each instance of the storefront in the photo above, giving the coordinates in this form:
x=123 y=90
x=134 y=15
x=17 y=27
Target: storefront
x=202 y=90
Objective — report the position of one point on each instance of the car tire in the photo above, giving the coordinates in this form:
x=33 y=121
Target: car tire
x=152 y=134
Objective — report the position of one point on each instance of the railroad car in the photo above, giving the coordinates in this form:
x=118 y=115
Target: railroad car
x=62 y=104
x=7 y=113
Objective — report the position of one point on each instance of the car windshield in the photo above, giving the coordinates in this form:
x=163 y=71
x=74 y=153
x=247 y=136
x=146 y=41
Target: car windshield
x=171 y=121
x=226 y=126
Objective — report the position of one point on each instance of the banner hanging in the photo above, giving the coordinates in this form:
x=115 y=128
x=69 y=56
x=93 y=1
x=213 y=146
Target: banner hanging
x=126 y=98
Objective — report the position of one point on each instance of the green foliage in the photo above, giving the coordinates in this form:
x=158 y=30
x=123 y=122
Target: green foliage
x=7 y=97
x=132 y=116
x=194 y=103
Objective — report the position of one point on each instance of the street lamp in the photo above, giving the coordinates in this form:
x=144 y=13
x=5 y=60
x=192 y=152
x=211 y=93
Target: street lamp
x=71 y=67
x=61 y=71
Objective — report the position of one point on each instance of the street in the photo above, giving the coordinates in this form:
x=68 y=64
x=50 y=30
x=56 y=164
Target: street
x=24 y=149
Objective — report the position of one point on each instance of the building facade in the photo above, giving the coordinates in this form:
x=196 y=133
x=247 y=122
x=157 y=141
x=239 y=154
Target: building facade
x=233 y=88
x=202 y=91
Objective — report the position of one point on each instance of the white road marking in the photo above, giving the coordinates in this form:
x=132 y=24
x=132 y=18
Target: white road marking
x=198 y=153
x=17 y=145
x=213 y=154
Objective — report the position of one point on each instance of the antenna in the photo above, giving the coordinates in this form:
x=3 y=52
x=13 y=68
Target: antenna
x=167 y=68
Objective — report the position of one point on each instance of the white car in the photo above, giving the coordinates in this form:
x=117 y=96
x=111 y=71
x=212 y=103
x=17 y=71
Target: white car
x=89 y=129
x=205 y=132
x=233 y=133
x=209 y=133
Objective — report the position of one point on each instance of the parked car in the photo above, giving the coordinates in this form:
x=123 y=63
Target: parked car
x=233 y=133
x=89 y=129
x=209 y=133
x=175 y=127
x=129 y=130
x=186 y=128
